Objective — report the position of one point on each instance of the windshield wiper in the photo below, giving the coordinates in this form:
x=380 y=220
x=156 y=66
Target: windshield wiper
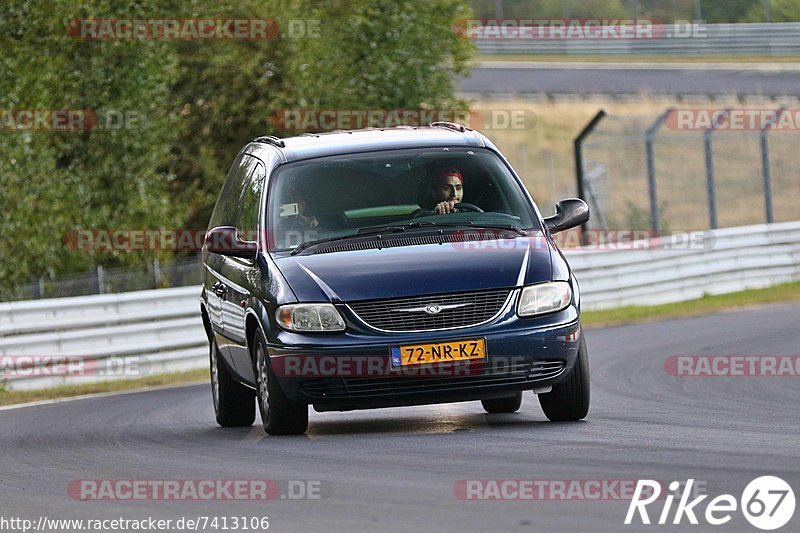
x=507 y=227
x=362 y=232
x=398 y=228
x=369 y=230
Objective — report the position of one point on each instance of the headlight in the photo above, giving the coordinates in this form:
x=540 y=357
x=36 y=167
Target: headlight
x=309 y=317
x=544 y=298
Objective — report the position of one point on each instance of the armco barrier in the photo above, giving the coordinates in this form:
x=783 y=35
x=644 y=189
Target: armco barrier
x=778 y=39
x=161 y=329
x=734 y=259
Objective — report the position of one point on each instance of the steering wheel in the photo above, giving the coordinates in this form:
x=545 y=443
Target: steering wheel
x=469 y=208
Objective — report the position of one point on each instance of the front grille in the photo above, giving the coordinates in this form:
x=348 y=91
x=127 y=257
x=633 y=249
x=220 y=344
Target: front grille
x=478 y=375
x=407 y=314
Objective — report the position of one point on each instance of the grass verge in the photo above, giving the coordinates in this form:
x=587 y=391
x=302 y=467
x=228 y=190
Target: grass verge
x=177 y=378
x=701 y=306
x=592 y=319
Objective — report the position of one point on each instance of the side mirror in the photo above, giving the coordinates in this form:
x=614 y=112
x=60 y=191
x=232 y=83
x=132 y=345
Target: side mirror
x=570 y=213
x=225 y=240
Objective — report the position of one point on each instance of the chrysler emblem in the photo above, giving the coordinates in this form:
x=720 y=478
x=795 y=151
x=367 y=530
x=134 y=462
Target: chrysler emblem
x=432 y=309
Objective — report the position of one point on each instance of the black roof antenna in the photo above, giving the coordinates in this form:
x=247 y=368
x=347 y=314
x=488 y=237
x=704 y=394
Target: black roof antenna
x=449 y=125
x=270 y=139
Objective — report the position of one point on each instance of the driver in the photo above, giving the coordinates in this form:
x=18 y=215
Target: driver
x=296 y=223
x=447 y=189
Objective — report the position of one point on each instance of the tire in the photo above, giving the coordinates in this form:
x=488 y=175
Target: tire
x=569 y=400
x=279 y=414
x=510 y=404
x=234 y=404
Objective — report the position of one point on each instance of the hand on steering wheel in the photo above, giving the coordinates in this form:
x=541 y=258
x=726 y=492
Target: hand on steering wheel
x=468 y=208
x=451 y=207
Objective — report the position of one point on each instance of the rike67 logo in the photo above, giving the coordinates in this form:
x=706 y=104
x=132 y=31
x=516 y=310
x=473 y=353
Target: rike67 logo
x=767 y=503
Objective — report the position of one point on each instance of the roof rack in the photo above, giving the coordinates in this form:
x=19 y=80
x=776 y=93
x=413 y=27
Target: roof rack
x=270 y=139
x=449 y=125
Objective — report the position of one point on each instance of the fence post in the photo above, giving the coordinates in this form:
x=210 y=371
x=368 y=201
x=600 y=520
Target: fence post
x=36 y=286
x=578 y=144
x=711 y=184
x=766 y=167
x=655 y=216
x=156 y=272
x=101 y=282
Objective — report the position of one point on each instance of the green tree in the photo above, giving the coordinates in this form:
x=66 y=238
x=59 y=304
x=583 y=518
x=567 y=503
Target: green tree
x=780 y=11
x=106 y=177
x=224 y=96
x=380 y=54
x=197 y=103
x=360 y=54
x=526 y=9
x=715 y=11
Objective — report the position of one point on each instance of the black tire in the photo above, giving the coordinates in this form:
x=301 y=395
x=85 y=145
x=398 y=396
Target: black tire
x=279 y=414
x=569 y=400
x=234 y=404
x=510 y=404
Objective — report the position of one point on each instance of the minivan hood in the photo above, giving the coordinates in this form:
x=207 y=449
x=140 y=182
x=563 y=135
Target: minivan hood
x=417 y=270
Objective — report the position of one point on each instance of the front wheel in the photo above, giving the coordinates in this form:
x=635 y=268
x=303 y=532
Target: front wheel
x=234 y=404
x=569 y=400
x=279 y=414
x=510 y=404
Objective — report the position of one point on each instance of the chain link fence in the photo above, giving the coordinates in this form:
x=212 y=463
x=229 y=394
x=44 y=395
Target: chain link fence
x=650 y=173
x=101 y=280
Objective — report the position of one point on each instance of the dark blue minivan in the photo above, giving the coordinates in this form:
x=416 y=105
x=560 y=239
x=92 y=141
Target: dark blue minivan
x=387 y=267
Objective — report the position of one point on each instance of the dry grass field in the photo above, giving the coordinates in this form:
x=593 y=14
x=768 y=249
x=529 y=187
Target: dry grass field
x=541 y=150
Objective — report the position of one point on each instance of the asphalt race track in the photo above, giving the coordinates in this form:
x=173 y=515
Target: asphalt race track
x=631 y=80
x=395 y=470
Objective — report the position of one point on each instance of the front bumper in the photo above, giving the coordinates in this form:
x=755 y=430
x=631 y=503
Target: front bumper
x=353 y=370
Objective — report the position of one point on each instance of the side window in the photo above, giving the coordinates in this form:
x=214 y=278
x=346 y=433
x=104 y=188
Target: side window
x=227 y=209
x=247 y=223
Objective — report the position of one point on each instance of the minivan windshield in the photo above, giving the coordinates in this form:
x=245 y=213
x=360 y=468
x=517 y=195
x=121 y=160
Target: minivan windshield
x=355 y=194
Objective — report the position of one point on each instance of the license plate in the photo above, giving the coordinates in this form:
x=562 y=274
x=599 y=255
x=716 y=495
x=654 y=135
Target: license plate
x=439 y=352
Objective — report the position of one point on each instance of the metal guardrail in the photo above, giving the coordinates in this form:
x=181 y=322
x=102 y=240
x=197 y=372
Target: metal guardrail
x=112 y=336
x=777 y=39
x=731 y=259
x=161 y=330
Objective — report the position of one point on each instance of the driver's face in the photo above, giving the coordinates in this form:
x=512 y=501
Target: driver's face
x=449 y=189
